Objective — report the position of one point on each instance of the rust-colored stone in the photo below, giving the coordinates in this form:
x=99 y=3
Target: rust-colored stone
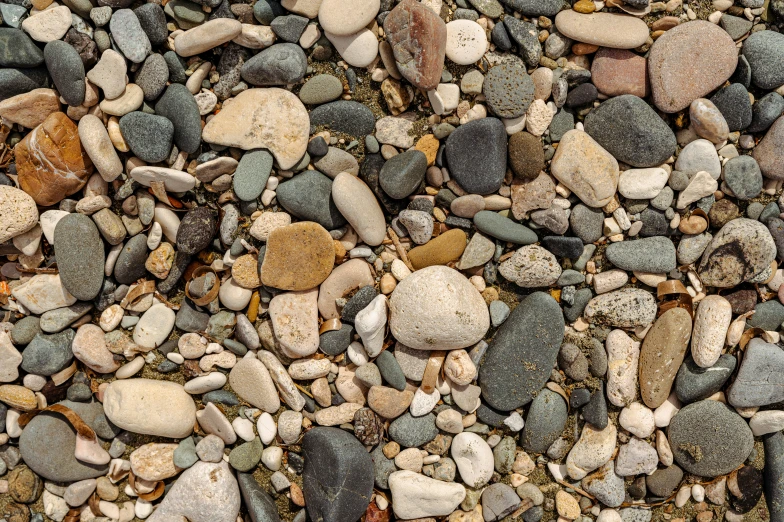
x=299 y=257
x=418 y=39
x=447 y=247
x=619 y=71
x=51 y=162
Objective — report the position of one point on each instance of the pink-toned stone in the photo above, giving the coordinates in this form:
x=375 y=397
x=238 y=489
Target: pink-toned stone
x=619 y=71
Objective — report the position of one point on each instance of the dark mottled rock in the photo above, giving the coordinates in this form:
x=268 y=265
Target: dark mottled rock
x=663 y=482
x=760 y=380
x=344 y=116
x=582 y=95
x=595 y=412
x=15 y=81
x=279 y=64
x=260 y=505
x=289 y=28
x=390 y=370
x=80 y=255
x=336 y=342
x=129 y=266
x=153 y=21
x=774 y=475
x=25 y=329
x=568 y=247
x=382 y=467
x=252 y=174
x=152 y=76
x=709 y=439
x=85 y=47
x=545 y=421
x=586 y=223
x=338 y=476
x=526 y=156
x=149 y=136
x=176 y=67
x=189 y=319
x=508 y=89
x=476 y=155
x=522 y=353
x=765 y=111
x=308 y=196
x=357 y=303
x=526 y=36
x=178 y=105
x=547 y=8
x=48 y=354
x=743 y=176
x=18 y=50
x=750 y=483
x=734 y=104
x=196 y=231
x=67 y=71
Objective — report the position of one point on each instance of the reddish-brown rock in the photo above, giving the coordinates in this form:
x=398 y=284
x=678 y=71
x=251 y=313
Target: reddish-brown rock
x=418 y=39
x=619 y=71
x=51 y=162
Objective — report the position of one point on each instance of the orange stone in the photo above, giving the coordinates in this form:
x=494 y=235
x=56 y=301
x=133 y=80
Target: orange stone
x=298 y=257
x=51 y=162
x=429 y=145
x=447 y=247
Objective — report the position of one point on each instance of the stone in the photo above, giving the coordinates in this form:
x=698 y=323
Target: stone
x=308 y=196
x=418 y=39
x=154 y=461
x=51 y=162
x=586 y=168
x=627 y=32
x=765 y=111
x=654 y=254
x=531 y=266
x=67 y=71
x=545 y=422
x=498 y=501
x=415 y=496
x=735 y=105
x=694 y=383
x=508 y=386
x=758 y=382
x=294 y=317
x=526 y=156
x=81 y=270
x=46 y=440
x=334 y=458
x=49 y=24
x=18 y=213
x=765 y=153
x=662 y=353
x=252 y=173
x=403 y=174
x=359 y=207
x=473 y=457
x=306 y=246
x=743 y=176
x=30 y=109
x=711 y=323
x=629 y=129
x=277 y=113
x=206 y=36
x=592 y=450
x=179 y=106
x=412 y=432
x=251 y=380
x=709 y=452
x=150 y=407
x=508 y=89
x=682 y=68
x=476 y=154
x=90 y=348
x=148 y=136
x=320 y=89
x=751 y=251
x=663 y=482
x=109 y=74
x=642 y=183
x=762 y=49
x=280 y=64
x=624 y=308
x=43 y=292
x=18 y=50
x=436 y=308
x=605 y=485
x=261 y=507
x=773 y=444
x=345 y=116
x=616 y=72
x=466 y=42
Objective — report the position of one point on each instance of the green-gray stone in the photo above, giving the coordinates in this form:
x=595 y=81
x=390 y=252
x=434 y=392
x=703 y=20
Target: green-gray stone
x=187 y=14
x=322 y=88
x=500 y=227
x=246 y=456
x=252 y=174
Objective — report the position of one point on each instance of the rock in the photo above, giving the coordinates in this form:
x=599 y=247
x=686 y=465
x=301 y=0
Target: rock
x=498 y=501
x=207 y=36
x=345 y=116
x=18 y=50
x=261 y=507
x=129 y=35
x=412 y=432
x=456 y=317
x=743 y=176
x=81 y=269
x=636 y=457
x=294 y=317
x=739 y=251
x=89 y=347
x=466 y=41
x=308 y=196
x=530 y=267
x=280 y=64
x=415 y=496
x=545 y=422
x=67 y=71
x=358 y=50
x=473 y=457
x=614 y=30
x=663 y=482
x=774 y=467
x=508 y=386
x=149 y=136
x=765 y=111
x=277 y=113
x=709 y=452
x=49 y=24
x=154 y=461
x=526 y=157
x=586 y=168
x=735 y=105
x=48 y=442
x=150 y=407
x=630 y=130
x=605 y=485
x=623 y=355
x=214 y=486
x=15 y=81
x=306 y=246
x=593 y=450
x=758 y=382
x=403 y=174
x=154 y=326
x=178 y=105
x=508 y=89
x=682 y=68
x=478 y=173
x=18 y=213
x=763 y=49
x=418 y=39
x=344 y=18
x=251 y=176
x=710 y=330
x=616 y=72
x=320 y=89
x=694 y=383
x=662 y=353
x=43 y=292
x=334 y=458
x=30 y=109
x=359 y=207
x=654 y=254
x=129 y=266
x=51 y=162
x=765 y=153
x=625 y=308
x=707 y=121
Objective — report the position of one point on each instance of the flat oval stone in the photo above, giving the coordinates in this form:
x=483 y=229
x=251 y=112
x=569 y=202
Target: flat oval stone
x=662 y=353
x=615 y=72
x=545 y=421
x=624 y=308
x=273 y=118
x=67 y=71
x=308 y=196
x=682 y=68
x=759 y=380
x=764 y=51
x=437 y=308
x=694 y=383
x=708 y=439
x=149 y=136
x=196 y=231
x=440 y=250
x=129 y=266
x=48 y=354
x=80 y=256
x=652 y=254
x=179 y=106
x=345 y=116
x=359 y=207
x=251 y=176
x=129 y=35
x=150 y=407
x=522 y=353
x=476 y=154
x=299 y=257
x=321 y=88
x=614 y=30
x=280 y=64
x=586 y=168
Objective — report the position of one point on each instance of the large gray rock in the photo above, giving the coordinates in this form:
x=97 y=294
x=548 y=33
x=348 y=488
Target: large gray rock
x=546 y=420
x=760 y=380
x=80 y=255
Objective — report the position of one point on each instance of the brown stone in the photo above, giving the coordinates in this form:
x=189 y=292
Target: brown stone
x=531 y=195
x=18 y=397
x=768 y=151
x=418 y=39
x=447 y=247
x=619 y=71
x=428 y=144
x=245 y=271
x=526 y=156
x=24 y=485
x=397 y=95
x=299 y=257
x=661 y=355
x=160 y=260
x=30 y=109
x=51 y=162
x=389 y=402
x=688 y=62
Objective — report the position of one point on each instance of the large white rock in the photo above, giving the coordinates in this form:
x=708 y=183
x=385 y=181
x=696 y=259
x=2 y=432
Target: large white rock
x=173 y=180
x=205 y=492
x=18 y=212
x=150 y=407
x=418 y=496
x=711 y=323
x=294 y=317
x=43 y=292
x=154 y=326
x=592 y=450
x=473 y=457
x=437 y=308
x=273 y=119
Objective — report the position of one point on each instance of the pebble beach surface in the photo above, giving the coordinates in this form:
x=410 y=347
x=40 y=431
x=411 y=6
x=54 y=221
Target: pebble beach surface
x=391 y=260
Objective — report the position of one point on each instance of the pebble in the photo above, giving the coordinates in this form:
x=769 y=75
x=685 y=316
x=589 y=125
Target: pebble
x=416 y=496
x=752 y=386
x=577 y=155
x=129 y=404
x=627 y=32
x=546 y=419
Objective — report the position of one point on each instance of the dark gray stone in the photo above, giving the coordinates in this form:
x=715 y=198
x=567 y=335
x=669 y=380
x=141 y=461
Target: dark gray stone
x=498 y=501
x=390 y=370
x=289 y=28
x=559 y=246
x=606 y=485
x=18 y=50
x=48 y=354
x=344 y=116
x=774 y=475
x=336 y=342
x=67 y=71
x=709 y=439
x=259 y=504
x=765 y=111
x=149 y=136
x=15 y=81
x=522 y=353
x=152 y=76
x=338 y=477
x=760 y=380
x=764 y=51
x=25 y=330
x=768 y=315
x=509 y=91
x=178 y=105
x=631 y=131
x=129 y=266
x=80 y=256
x=743 y=176
x=382 y=467
x=476 y=154
x=265 y=11
x=653 y=254
x=547 y=8
x=545 y=421
x=308 y=196
x=196 y=230
x=503 y=228
x=403 y=174
x=525 y=35
x=586 y=223
x=662 y=482
x=189 y=319
x=412 y=432
x=575 y=310
x=279 y=64
x=176 y=67
x=582 y=95
x=694 y=383
x=357 y=303
x=734 y=104
x=153 y=21
x=735 y=26
x=595 y=412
